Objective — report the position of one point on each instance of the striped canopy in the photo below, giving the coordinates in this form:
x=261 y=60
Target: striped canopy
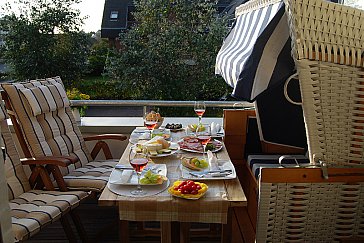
x=256 y=54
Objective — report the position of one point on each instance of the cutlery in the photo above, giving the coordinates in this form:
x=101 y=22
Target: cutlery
x=203 y=173
x=123 y=167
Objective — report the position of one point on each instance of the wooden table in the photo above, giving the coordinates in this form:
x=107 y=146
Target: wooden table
x=222 y=195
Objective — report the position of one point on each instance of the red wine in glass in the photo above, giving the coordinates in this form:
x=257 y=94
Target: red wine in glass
x=139 y=164
x=150 y=124
x=204 y=139
x=200 y=112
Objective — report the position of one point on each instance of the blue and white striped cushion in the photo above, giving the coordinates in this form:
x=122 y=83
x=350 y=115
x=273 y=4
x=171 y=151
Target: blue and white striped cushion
x=256 y=162
x=256 y=53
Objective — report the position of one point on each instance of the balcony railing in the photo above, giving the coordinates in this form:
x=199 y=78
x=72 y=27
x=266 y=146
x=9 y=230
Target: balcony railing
x=146 y=103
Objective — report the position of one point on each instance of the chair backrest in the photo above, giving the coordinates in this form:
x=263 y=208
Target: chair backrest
x=328 y=47
x=41 y=108
x=303 y=207
x=280 y=123
x=17 y=181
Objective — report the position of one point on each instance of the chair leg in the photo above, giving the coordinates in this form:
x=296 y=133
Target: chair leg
x=79 y=226
x=68 y=229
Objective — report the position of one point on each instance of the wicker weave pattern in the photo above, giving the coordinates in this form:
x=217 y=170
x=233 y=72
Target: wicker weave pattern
x=254 y=5
x=334 y=30
x=305 y=212
x=333 y=107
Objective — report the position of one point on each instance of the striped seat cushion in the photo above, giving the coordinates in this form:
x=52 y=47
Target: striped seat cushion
x=32 y=210
x=16 y=179
x=256 y=162
x=93 y=176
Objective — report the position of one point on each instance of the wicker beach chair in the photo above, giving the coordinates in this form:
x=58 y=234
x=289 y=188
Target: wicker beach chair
x=32 y=210
x=43 y=121
x=322 y=204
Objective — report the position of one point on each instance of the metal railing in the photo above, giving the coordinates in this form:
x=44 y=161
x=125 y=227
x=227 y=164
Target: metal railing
x=168 y=103
x=222 y=104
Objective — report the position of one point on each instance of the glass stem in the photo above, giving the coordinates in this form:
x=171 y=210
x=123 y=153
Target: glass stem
x=139 y=188
x=204 y=152
x=199 y=119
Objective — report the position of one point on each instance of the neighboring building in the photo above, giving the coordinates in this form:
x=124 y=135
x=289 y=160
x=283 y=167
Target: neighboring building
x=117 y=16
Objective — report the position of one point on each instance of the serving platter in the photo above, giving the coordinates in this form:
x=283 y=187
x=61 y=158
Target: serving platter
x=174 y=147
x=191 y=144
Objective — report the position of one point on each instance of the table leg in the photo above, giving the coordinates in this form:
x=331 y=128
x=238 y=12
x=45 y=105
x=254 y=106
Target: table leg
x=185 y=232
x=124 y=231
x=176 y=232
x=166 y=236
x=226 y=228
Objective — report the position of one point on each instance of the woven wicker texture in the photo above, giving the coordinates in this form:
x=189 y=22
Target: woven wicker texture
x=332 y=30
x=333 y=108
x=305 y=212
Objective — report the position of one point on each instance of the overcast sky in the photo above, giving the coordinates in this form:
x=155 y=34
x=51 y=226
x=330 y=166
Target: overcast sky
x=94 y=9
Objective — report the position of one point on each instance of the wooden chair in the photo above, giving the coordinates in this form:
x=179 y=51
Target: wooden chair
x=31 y=210
x=45 y=126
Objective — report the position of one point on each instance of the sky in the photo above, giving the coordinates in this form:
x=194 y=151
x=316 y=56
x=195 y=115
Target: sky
x=94 y=9
x=91 y=8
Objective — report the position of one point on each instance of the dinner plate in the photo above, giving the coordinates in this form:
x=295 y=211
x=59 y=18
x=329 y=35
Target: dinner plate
x=175 y=149
x=184 y=146
x=129 y=177
x=125 y=190
x=221 y=165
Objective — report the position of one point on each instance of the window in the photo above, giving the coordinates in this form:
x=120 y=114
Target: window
x=114 y=15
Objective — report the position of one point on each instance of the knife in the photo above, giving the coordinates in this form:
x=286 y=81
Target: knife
x=209 y=172
x=123 y=167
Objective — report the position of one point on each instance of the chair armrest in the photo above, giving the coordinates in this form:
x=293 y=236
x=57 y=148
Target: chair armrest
x=62 y=161
x=120 y=137
x=102 y=145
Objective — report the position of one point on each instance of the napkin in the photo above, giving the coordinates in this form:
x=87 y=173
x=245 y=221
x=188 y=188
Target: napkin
x=212 y=160
x=215 y=128
x=125 y=176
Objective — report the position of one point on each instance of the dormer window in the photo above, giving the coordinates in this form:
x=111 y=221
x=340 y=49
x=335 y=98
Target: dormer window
x=114 y=15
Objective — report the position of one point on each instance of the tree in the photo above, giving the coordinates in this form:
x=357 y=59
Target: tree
x=170 y=54
x=43 y=39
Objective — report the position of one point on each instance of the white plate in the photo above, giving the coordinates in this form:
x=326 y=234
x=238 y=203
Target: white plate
x=124 y=190
x=196 y=151
x=129 y=177
x=173 y=151
x=222 y=164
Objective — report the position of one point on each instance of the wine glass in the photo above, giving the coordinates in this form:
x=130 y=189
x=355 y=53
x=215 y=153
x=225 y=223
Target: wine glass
x=150 y=121
x=204 y=136
x=138 y=161
x=200 y=108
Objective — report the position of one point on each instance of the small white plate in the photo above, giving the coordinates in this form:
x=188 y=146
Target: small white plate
x=222 y=165
x=129 y=177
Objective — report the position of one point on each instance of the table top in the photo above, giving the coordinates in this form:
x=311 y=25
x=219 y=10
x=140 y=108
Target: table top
x=221 y=195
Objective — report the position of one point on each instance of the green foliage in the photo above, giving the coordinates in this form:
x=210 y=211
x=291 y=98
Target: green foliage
x=97 y=57
x=44 y=40
x=170 y=54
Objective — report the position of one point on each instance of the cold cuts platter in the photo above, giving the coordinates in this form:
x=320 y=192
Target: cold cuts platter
x=191 y=144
